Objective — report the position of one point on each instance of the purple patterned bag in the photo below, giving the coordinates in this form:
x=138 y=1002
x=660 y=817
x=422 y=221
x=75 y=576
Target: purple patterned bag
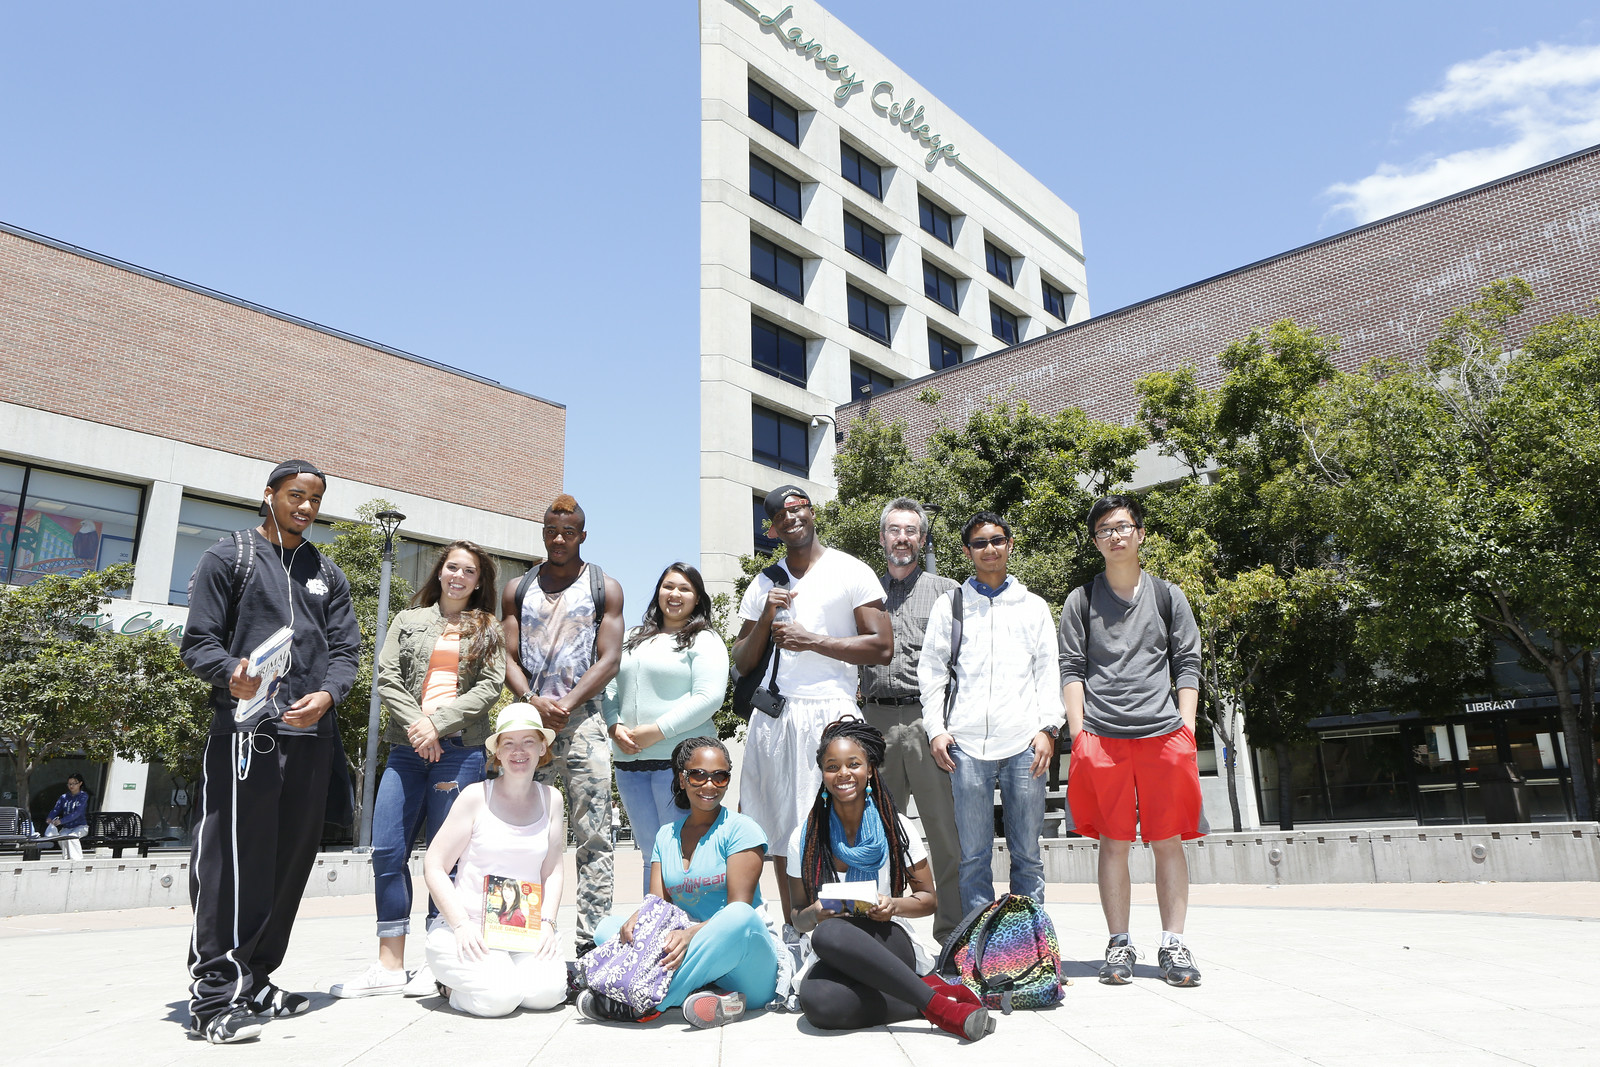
x=632 y=973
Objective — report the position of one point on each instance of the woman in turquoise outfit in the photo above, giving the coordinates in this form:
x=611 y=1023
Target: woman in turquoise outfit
x=707 y=862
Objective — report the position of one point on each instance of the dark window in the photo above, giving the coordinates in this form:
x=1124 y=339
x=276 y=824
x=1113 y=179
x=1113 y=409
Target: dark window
x=868 y=314
x=938 y=285
x=764 y=541
x=779 y=441
x=864 y=381
x=777 y=268
x=773 y=113
x=865 y=241
x=53 y=523
x=999 y=263
x=1003 y=323
x=859 y=170
x=942 y=352
x=772 y=186
x=936 y=220
x=1055 y=301
x=777 y=351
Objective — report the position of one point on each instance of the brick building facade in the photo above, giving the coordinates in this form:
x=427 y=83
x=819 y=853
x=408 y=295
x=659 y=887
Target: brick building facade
x=1382 y=288
x=89 y=337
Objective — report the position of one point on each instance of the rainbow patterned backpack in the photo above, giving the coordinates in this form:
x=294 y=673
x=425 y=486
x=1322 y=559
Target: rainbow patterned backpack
x=1007 y=953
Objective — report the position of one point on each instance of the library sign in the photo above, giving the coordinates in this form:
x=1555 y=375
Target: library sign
x=906 y=114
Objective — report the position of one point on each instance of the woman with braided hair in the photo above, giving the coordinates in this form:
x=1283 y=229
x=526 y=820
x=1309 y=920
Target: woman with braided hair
x=866 y=969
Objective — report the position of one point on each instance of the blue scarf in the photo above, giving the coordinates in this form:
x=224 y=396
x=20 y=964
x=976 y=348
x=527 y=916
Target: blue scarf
x=865 y=858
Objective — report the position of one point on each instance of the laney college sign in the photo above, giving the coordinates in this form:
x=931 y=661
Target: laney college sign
x=906 y=114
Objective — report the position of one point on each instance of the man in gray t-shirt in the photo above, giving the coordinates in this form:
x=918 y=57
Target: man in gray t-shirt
x=1130 y=678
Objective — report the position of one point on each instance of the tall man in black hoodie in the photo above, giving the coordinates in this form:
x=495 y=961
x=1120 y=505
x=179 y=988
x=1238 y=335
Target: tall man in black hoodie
x=263 y=795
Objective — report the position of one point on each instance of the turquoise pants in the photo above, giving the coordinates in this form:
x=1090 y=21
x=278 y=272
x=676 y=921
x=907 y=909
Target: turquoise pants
x=733 y=951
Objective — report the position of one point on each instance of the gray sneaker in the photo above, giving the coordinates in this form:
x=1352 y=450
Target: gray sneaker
x=1177 y=966
x=1118 y=967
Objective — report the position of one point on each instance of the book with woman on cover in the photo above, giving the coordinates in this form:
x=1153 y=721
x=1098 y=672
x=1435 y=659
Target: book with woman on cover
x=511 y=913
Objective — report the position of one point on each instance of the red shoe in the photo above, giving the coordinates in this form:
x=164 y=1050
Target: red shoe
x=954 y=990
x=970 y=1021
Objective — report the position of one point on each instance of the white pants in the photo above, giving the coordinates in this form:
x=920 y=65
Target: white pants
x=71 y=847
x=780 y=777
x=497 y=984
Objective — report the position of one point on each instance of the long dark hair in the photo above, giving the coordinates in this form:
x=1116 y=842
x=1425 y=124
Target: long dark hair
x=480 y=627
x=699 y=619
x=681 y=757
x=817 y=861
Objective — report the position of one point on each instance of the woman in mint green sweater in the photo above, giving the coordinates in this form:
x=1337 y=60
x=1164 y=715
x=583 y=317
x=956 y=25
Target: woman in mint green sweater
x=670 y=683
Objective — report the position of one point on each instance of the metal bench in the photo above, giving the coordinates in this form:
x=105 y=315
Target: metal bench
x=14 y=838
x=116 y=830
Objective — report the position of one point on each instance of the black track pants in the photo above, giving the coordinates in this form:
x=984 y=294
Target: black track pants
x=863 y=976
x=255 y=841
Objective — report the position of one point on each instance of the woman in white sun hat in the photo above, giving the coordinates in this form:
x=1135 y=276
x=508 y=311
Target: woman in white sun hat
x=509 y=828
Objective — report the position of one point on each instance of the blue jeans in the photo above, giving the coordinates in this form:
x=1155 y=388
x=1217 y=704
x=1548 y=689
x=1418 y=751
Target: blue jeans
x=1022 y=809
x=411 y=790
x=647 y=798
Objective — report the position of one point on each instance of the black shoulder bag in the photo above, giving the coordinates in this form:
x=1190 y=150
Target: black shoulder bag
x=748 y=692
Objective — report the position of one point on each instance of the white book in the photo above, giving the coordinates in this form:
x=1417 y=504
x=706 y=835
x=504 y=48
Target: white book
x=270 y=663
x=849 y=898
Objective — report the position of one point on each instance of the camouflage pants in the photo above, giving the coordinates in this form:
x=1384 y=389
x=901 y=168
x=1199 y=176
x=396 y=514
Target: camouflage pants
x=581 y=755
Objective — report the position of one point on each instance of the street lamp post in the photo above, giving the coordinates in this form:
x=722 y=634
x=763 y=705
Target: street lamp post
x=389 y=522
x=930 y=562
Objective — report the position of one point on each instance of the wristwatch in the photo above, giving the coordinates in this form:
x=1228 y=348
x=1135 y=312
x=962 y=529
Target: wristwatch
x=1053 y=731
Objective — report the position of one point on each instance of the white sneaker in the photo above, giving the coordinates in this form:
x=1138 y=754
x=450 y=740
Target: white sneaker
x=378 y=981
x=422 y=983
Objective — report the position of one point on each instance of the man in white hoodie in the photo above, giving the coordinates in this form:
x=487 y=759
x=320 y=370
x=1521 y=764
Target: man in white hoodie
x=994 y=717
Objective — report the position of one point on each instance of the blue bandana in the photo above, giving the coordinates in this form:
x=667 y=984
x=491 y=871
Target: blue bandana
x=865 y=858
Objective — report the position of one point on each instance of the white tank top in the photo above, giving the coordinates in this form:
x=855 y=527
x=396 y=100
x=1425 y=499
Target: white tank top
x=499 y=847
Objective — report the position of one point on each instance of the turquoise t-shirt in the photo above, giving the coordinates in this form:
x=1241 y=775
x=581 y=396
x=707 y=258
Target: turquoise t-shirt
x=702 y=890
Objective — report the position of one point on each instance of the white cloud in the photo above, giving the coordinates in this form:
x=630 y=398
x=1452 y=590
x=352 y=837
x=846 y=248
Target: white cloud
x=1545 y=99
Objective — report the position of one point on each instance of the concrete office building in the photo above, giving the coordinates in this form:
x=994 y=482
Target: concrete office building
x=140 y=416
x=855 y=234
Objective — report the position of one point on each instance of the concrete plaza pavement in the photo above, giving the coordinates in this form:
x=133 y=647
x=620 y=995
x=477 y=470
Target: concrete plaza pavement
x=1334 y=975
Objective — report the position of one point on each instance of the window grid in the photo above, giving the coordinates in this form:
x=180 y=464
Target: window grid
x=1055 y=301
x=779 y=441
x=776 y=268
x=865 y=241
x=777 y=351
x=942 y=351
x=1003 y=324
x=999 y=264
x=772 y=186
x=864 y=381
x=938 y=286
x=860 y=171
x=935 y=220
x=868 y=314
x=775 y=114
x=52 y=522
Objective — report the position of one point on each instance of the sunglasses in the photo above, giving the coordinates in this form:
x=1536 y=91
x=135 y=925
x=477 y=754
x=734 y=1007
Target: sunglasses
x=978 y=544
x=696 y=776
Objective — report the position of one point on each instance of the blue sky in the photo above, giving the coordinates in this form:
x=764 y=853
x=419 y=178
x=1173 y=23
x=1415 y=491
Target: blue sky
x=513 y=188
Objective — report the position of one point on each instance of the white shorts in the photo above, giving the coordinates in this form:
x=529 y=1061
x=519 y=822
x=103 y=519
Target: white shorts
x=780 y=778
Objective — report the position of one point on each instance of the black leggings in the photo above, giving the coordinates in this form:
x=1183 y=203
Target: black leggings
x=863 y=976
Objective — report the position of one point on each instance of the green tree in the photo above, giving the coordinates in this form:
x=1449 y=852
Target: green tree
x=68 y=683
x=358 y=551
x=1464 y=489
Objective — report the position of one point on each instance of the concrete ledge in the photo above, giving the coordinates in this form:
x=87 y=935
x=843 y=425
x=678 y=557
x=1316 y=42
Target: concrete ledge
x=1538 y=852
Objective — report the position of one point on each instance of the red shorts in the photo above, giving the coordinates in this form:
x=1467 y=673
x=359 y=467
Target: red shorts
x=1117 y=784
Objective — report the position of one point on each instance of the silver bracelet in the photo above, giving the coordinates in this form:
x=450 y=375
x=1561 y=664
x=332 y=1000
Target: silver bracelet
x=551 y=923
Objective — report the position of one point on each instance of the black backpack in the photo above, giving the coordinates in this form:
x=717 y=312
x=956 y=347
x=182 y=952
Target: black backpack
x=597 y=593
x=1163 y=593
x=744 y=688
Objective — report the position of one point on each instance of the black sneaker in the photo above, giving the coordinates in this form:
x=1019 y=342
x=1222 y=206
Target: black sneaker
x=1118 y=967
x=577 y=981
x=602 y=1009
x=229 y=1026
x=1177 y=966
x=277 y=1003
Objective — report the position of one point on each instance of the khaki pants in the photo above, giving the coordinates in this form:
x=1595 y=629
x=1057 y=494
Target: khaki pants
x=909 y=771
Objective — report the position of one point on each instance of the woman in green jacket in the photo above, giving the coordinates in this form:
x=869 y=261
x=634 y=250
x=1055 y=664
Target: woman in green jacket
x=670 y=683
x=439 y=675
